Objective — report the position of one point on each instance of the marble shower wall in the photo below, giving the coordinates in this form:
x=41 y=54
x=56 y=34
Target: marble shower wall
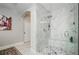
x=64 y=29
x=57 y=28
x=43 y=28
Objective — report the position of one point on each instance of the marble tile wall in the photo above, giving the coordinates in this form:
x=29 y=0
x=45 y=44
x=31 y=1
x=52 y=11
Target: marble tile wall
x=43 y=28
x=57 y=29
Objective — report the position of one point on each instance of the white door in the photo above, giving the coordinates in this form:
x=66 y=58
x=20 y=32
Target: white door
x=27 y=27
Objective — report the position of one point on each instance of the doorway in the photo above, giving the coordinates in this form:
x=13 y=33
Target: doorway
x=27 y=27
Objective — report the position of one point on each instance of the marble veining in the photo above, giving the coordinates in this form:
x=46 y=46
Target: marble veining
x=57 y=30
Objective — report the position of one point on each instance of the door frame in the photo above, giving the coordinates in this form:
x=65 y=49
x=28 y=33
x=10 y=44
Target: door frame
x=24 y=25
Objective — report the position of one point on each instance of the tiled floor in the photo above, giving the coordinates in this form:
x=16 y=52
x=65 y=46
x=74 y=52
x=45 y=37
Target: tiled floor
x=25 y=49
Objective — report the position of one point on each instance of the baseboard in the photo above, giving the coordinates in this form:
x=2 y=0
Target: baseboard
x=11 y=45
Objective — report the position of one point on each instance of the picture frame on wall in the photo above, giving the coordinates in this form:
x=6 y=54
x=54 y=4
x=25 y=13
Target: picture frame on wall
x=5 y=23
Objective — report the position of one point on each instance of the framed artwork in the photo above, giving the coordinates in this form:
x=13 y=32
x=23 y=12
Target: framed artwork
x=5 y=23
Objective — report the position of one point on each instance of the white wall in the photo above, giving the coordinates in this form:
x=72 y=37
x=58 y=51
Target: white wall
x=33 y=28
x=16 y=34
